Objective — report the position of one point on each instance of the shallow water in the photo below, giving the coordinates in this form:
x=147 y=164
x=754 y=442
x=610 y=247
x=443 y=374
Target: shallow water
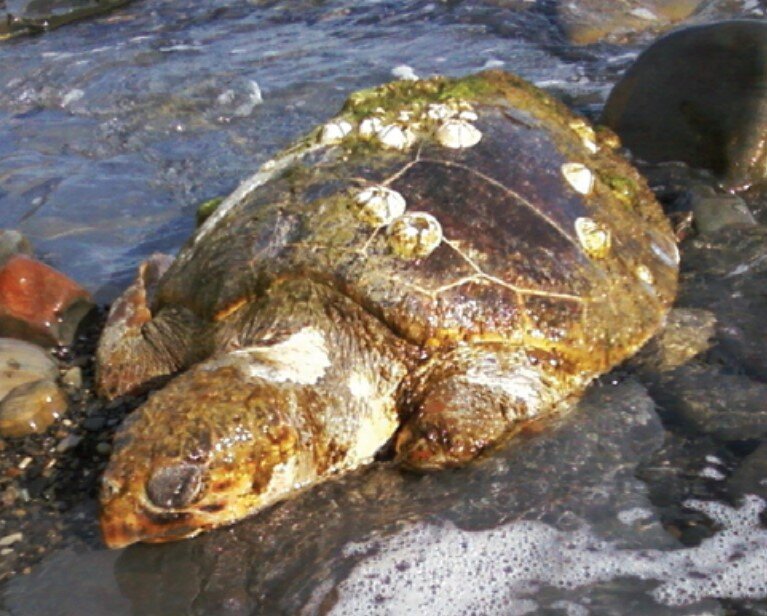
x=112 y=132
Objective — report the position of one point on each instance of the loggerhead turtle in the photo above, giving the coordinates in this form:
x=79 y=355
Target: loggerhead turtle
x=443 y=261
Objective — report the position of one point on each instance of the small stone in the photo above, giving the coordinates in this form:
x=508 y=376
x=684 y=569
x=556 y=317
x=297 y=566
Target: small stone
x=95 y=423
x=103 y=448
x=73 y=378
x=22 y=362
x=68 y=442
x=40 y=304
x=713 y=212
x=31 y=408
x=13 y=243
x=10 y=539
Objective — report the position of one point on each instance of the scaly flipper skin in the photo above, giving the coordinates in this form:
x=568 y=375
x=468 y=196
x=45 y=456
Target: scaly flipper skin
x=137 y=348
x=473 y=398
x=310 y=391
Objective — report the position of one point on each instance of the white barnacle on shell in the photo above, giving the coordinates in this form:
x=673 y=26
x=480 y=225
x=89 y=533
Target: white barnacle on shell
x=579 y=176
x=370 y=126
x=457 y=134
x=396 y=137
x=666 y=250
x=414 y=235
x=644 y=274
x=469 y=115
x=379 y=205
x=440 y=111
x=335 y=131
x=587 y=135
x=593 y=237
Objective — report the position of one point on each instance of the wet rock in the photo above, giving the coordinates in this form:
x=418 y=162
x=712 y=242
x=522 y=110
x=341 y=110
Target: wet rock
x=574 y=475
x=713 y=211
x=751 y=477
x=35 y=16
x=729 y=407
x=11 y=243
x=22 y=362
x=73 y=377
x=68 y=442
x=591 y=21
x=697 y=95
x=688 y=332
x=40 y=304
x=726 y=272
x=31 y=408
x=10 y=539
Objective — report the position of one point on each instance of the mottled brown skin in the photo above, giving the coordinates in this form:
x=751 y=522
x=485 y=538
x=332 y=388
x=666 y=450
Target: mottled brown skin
x=506 y=318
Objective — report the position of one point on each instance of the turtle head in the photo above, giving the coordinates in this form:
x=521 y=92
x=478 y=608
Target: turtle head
x=207 y=450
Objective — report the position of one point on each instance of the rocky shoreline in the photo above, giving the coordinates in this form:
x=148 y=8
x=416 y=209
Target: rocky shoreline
x=706 y=413
x=49 y=481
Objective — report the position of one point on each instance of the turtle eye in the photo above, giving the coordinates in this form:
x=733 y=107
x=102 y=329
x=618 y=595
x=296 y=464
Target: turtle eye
x=109 y=489
x=171 y=487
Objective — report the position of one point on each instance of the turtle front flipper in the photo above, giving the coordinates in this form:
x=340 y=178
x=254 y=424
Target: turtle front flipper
x=474 y=397
x=137 y=347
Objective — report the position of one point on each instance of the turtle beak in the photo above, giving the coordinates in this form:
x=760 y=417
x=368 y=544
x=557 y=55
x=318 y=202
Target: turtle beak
x=122 y=526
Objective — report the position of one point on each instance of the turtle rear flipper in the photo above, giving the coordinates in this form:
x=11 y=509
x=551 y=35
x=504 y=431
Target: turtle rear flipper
x=473 y=399
x=138 y=348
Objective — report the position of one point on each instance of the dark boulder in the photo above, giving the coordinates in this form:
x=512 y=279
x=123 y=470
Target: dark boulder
x=698 y=95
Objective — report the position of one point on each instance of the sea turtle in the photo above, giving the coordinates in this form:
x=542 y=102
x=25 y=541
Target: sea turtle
x=442 y=262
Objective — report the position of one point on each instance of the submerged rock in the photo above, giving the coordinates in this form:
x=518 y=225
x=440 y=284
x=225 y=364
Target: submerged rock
x=751 y=476
x=726 y=273
x=31 y=408
x=591 y=21
x=708 y=400
x=22 y=362
x=40 y=304
x=698 y=96
x=713 y=211
x=34 y=16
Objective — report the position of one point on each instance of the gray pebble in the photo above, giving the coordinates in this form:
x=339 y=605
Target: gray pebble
x=10 y=539
x=22 y=362
x=31 y=408
x=68 y=442
x=715 y=211
x=73 y=378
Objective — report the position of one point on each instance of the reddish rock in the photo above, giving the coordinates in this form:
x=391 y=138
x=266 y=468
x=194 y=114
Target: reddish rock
x=38 y=303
